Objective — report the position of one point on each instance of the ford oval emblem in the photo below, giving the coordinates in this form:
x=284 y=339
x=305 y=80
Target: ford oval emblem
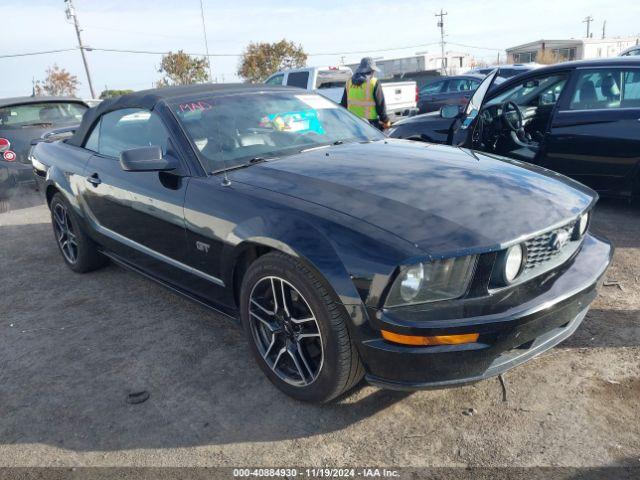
x=559 y=239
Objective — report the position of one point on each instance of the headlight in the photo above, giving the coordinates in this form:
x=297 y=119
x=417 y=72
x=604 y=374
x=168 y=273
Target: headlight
x=513 y=263
x=431 y=281
x=583 y=224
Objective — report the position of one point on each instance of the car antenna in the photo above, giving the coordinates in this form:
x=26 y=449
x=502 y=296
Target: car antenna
x=225 y=178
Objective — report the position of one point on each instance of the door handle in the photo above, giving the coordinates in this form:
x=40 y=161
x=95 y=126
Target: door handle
x=94 y=180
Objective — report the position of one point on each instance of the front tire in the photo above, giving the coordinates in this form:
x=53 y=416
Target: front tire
x=297 y=329
x=78 y=250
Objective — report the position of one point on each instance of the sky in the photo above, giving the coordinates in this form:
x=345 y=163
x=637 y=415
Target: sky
x=381 y=27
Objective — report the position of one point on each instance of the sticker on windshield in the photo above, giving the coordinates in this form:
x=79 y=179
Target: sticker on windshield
x=317 y=102
x=303 y=121
x=194 y=106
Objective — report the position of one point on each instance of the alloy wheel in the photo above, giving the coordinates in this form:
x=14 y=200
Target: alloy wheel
x=65 y=235
x=286 y=331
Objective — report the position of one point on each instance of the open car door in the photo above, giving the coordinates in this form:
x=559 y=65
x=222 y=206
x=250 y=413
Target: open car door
x=462 y=129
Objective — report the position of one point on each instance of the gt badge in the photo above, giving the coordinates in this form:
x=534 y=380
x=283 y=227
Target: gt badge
x=203 y=247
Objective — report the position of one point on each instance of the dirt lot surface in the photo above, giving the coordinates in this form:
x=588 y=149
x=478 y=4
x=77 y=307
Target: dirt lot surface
x=72 y=347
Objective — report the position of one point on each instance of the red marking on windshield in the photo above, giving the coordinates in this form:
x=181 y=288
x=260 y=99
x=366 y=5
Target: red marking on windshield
x=195 y=106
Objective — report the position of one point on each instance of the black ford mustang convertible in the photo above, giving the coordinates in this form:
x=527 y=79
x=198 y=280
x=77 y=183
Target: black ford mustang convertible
x=343 y=253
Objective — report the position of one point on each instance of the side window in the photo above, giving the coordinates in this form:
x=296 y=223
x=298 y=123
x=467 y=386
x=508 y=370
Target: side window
x=607 y=89
x=435 y=87
x=475 y=84
x=459 y=85
x=92 y=141
x=298 y=79
x=130 y=128
x=631 y=89
x=275 y=80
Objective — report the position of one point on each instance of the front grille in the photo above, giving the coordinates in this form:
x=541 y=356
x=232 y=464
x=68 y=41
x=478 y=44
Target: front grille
x=540 y=249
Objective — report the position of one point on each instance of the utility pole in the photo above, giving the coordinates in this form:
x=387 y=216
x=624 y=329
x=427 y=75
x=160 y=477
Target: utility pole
x=206 y=43
x=588 y=21
x=604 y=29
x=441 y=26
x=71 y=13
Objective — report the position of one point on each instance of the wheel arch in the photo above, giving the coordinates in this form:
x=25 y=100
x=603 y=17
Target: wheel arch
x=300 y=240
x=58 y=182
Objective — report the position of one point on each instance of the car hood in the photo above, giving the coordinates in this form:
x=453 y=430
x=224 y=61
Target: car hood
x=442 y=199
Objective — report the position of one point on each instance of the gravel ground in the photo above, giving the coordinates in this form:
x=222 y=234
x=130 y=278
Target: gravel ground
x=72 y=347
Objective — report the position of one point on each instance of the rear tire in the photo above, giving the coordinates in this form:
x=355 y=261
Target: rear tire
x=302 y=344
x=78 y=251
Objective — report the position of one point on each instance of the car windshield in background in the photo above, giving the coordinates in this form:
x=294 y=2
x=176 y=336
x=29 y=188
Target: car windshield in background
x=53 y=113
x=233 y=130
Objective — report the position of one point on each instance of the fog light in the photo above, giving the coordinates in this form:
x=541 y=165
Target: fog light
x=419 y=340
x=513 y=263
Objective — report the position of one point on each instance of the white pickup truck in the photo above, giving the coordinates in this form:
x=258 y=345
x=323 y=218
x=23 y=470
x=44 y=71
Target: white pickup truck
x=400 y=97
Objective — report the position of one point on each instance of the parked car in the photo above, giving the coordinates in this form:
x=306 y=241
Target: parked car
x=447 y=91
x=23 y=119
x=576 y=118
x=330 y=82
x=344 y=253
x=505 y=71
x=631 y=51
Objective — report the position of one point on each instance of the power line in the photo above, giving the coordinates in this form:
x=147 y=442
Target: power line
x=158 y=52
x=422 y=45
x=44 y=52
x=476 y=48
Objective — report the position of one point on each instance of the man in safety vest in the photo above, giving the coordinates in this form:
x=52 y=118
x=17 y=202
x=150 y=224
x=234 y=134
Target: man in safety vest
x=363 y=95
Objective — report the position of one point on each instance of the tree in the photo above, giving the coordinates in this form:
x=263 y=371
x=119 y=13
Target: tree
x=259 y=60
x=182 y=69
x=57 y=82
x=546 y=57
x=107 y=93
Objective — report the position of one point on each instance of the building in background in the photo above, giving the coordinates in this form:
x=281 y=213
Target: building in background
x=572 y=49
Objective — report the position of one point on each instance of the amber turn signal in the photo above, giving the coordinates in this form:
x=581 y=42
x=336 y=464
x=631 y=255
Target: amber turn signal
x=435 y=340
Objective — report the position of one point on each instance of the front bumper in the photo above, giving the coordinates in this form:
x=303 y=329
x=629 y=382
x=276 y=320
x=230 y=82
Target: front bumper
x=509 y=335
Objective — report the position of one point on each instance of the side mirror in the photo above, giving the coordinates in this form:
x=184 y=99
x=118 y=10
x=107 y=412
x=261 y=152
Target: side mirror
x=449 y=111
x=146 y=159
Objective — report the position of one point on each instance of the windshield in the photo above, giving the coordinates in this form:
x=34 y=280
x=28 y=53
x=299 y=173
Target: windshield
x=49 y=113
x=544 y=90
x=234 y=130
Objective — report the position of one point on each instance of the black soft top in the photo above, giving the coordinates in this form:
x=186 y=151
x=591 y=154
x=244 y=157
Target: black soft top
x=148 y=99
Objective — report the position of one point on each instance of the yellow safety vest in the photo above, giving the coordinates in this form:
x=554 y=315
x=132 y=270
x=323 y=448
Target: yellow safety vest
x=360 y=99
